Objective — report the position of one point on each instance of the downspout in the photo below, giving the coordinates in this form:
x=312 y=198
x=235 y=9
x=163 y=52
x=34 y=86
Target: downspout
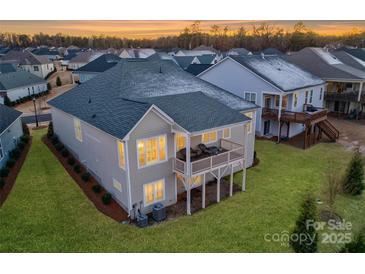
x=128 y=178
x=279 y=116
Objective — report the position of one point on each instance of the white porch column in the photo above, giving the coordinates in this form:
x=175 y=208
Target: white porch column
x=231 y=182
x=244 y=176
x=279 y=115
x=219 y=186
x=203 y=194
x=188 y=197
x=187 y=148
x=360 y=91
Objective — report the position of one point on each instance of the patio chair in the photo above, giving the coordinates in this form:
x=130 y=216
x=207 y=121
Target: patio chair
x=193 y=153
x=209 y=150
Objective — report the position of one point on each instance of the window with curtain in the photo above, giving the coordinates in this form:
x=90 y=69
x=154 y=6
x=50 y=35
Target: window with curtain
x=78 y=130
x=227 y=133
x=154 y=192
x=249 y=125
x=151 y=151
x=209 y=137
x=180 y=141
x=121 y=154
x=251 y=97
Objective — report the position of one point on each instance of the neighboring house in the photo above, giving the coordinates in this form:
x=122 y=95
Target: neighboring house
x=10 y=132
x=239 y=51
x=37 y=65
x=136 y=53
x=82 y=58
x=196 y=69
x=3 y=50
x=282 y=90
x=100 y=64
x=45 y=51
x=349 y=59
x=19 y=84
x=272 y=51
x=185 y=61
x=209 y=59
x=130 y=126
x=66 y=59
x=6 y=68
x=345 y=84
x=185 y=52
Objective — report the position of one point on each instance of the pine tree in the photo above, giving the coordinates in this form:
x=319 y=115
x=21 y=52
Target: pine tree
x=58 y=81
x=50 y=131
x=304 y=237
x=7 y=101
x=354 y=181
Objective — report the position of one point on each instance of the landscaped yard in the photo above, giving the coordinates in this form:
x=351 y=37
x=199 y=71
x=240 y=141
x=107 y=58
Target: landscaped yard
x=47 y=212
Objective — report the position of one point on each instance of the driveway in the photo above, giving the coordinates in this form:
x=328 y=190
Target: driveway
x=352 y=133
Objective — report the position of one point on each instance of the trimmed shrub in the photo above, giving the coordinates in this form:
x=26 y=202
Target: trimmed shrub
x=354 y=181
x=2 y=183
x=65 y=152
x=15 y=154
x=107 y=198
x=49 y=87
x=71 y=161
x=21 y=145
x=10 y=163
x=25 y=139
x=54 y=140
x=25 y=129
x=59 y=146
x=97 y=188
x=85 y=176
x=50 y=131
x=4 y=172
x=77 y=168
x=304 y=238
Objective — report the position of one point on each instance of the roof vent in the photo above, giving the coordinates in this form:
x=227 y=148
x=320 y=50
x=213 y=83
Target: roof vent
x=160 y=69
x=89 y=100
x=94 y=115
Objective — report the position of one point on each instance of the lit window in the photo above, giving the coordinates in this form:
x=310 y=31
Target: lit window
x=180 y=141
x=249 y=125
x=196 y=180
x=117 y=185
x=209 y=137
x=78 y=130
x=295 y=100
x=154 y=192
x=121 y=154
x=151 y=151
x=1 y=151
x=251 y=97
x=227 y=133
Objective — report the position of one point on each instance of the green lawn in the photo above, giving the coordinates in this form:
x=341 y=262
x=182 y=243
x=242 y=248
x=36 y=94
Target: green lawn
x=47 y=212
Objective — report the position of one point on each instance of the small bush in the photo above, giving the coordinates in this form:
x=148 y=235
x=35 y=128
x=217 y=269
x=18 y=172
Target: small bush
x=77 y=169
x=10 y=163
x=71 y=161
x=58 y=81
x=2 y=183
x=59 y=146
x=97 y=188
x=25 y=129
x=21 y=145
x=50 y=131
x=354 y=182
x=65 y=152
x=107 y=198
x=4 y=172
x=25 y=139
x=54 y=140
x=357 y=245
x=15 y=153
x=85 y=176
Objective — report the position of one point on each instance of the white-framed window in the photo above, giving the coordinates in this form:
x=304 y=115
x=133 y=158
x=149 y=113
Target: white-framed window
x=35 y=68
x=154 y=192
x=227 y=133
x=121 y=154
x=1 y=151
x=78 y=130
x=250 y=96
x=209 y=137
x=306 y=97
x=151 y=150
x=117 y=185
x=249 y=125
x=180 y=140
x=311 y=97
x=295 y=99
x=321 y=94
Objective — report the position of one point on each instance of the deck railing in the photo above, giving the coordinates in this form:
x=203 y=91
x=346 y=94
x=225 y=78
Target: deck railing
x=233 y=152
x=293 y=116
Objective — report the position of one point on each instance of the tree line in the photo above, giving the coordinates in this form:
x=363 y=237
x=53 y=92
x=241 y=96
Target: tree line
x=257 y=38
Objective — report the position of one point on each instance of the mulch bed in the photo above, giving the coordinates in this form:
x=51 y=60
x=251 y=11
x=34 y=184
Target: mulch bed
x=112 y=210
x=14 y=171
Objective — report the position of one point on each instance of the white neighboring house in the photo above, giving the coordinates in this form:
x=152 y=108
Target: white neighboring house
x=137 y=53
x=239 y=51
x=290 y=99
x=19 y=84
x=82 y=59
x=40 y=66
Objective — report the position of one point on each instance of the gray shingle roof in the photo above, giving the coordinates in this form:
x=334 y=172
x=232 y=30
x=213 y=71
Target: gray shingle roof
x=310 y=59
x=348 y=59
x=116 y=94
x=24 y=57
x=195 y=111
x=206 y=58
x=101 y=64
x=6 y=68
x=357 y=52
x=280 y=73
x=196 y=69
x=18 y=79
x=184 y=61
x=8 y=116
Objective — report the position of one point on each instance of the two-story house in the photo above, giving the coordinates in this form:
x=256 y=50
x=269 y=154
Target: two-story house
x=290 y=99
x=131 y=125
x=345 y=90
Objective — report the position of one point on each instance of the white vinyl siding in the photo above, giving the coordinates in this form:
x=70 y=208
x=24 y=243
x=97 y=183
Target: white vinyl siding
x=117 y=185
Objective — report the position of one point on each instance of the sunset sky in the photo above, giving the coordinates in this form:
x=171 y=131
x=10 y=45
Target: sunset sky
x=152 y=29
